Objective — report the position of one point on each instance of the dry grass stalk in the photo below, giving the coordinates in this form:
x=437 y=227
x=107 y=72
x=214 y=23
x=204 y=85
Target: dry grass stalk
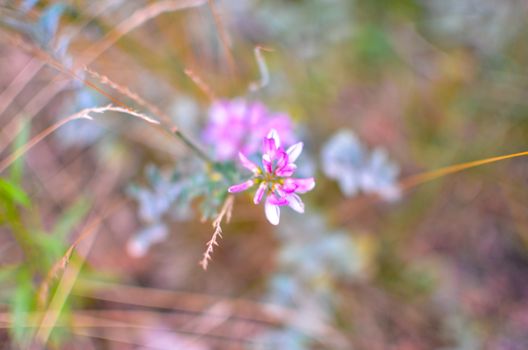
x=138 y=18
x=170 y=128
x=60 y=265
x=35 y=64
x=206 y=89
x=220 y=28
x=413 y=181
x=70 y=275
x=194 y=303
x=227 y=210
x=20 y=81
x=84 y=114
x=263 y=68
x=427 y=176
x=128 y=93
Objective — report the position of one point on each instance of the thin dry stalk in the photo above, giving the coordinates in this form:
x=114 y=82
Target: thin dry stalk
x=135 y=20
x=103 y=321
x=227 y=210
x=263 y=69
x=206 y=89
x=59 y=298
x=122 y=336
x=22 y=150
x=34 y=66
x=427 y=176
x=54 y=87
x=222 y=33
x=60 y=265
x=17 y=85
x=128 y=93
x=243 y=309
x=172 y=129
x=84 y=114
x=97 y=189
x=70 y=275
x=413 y=181
x=131 y=112
x=188 y=303
x=205 y=325
x=32 y=108
x=57 y=85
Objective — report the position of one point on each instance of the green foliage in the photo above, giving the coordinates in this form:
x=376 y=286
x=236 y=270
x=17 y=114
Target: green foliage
x=11 y=194
x=373 y=46
x=22 y=303
x=167 y=198
x=41 y=249
x=53 y=244
x=70 y=218
x=17 y=168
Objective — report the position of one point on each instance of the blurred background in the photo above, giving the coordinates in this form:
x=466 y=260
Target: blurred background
x=430 y=82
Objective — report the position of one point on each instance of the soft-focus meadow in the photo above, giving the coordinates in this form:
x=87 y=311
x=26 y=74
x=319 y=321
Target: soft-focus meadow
x=120 y=125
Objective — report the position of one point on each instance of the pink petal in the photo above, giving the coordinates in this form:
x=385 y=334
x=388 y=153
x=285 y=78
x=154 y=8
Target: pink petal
x=260 y=193
x=288 y=186
x=299 y=185
x=266 y=161
x=272 y=213
x=247 y=163
x=269 y=147
x=294 y=151
x=240 y=187
x=279 y=201
x=282 y=158
x=286 y=171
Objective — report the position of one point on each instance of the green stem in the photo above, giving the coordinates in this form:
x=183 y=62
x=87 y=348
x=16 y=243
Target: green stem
x=202 y=155
x=23 y=238
x=194 y=147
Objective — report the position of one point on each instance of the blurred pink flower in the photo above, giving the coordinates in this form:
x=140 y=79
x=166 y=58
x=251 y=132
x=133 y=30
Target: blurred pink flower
x=274 y=178
x=239 y=126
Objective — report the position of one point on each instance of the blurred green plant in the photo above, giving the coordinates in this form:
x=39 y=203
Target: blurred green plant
x=40 y=248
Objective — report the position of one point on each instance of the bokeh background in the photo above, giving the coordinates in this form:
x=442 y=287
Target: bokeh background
x=432 y=82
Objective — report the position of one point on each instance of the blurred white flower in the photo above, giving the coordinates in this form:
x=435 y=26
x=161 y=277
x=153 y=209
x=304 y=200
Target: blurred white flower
x=342 y=159
x=379 y=175
x=156 y=201
x=347 y=161
x=139 y=245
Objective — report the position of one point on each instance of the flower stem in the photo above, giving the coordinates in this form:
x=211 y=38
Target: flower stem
x=193 y=147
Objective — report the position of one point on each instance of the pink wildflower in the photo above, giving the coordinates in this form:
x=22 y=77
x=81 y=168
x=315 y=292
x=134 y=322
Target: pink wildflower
x=239 y=126
x=274 y=179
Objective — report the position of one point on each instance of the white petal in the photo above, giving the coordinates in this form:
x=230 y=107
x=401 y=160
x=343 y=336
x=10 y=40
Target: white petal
x=295 y=202
x=294 y=152
x=273 y=134
x=272 y=213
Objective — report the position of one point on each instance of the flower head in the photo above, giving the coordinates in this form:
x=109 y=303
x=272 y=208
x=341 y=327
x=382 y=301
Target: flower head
x=273 y=179
x=356 y=169
x=239 y=126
